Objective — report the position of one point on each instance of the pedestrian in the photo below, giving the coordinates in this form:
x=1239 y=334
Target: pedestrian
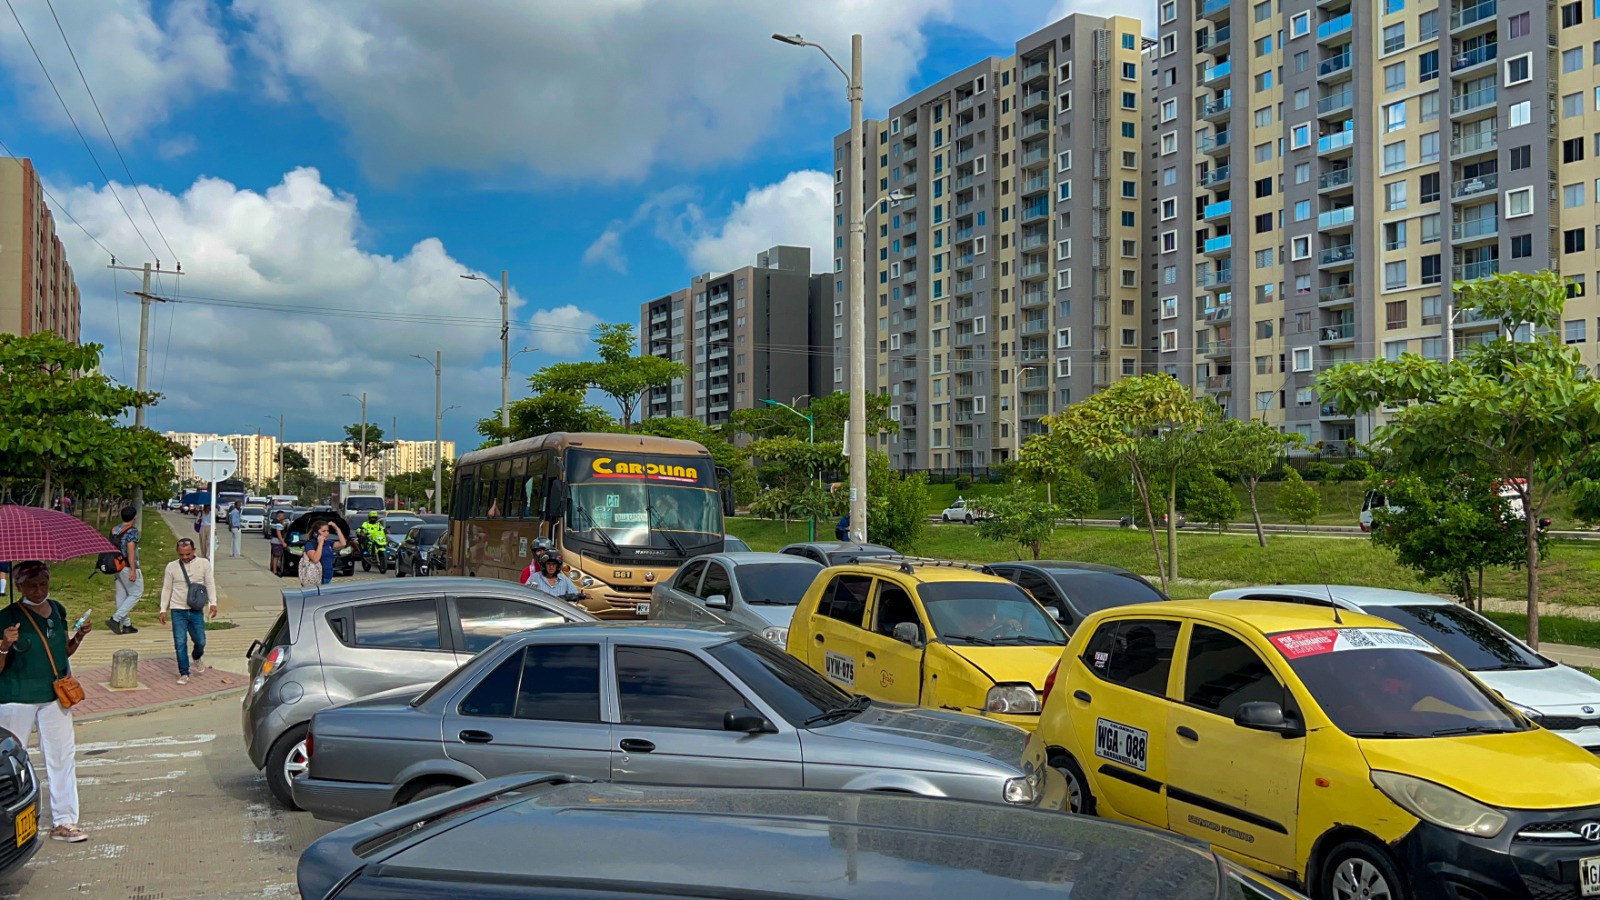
x=842 y=530
x=323 y=547
x=276 y=530
x=130 y=581
x=188 y=606
x=203 y=534
x=235 y=525
x=34 y=647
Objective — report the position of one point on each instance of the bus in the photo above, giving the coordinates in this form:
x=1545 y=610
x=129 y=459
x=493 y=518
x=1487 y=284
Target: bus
x=624 y=510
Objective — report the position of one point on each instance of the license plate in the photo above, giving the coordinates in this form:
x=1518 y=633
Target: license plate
x=1589 y=876
x=644 y=609
x=28 y=825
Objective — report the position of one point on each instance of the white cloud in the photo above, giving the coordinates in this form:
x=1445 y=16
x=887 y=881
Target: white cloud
x=607 y=250
x=797 y=210
x=141 y=70
x=1143 y=10
x=268 y=255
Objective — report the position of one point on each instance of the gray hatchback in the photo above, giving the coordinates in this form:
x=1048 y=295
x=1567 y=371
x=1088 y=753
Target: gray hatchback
x=758 y=591
x=353 y=640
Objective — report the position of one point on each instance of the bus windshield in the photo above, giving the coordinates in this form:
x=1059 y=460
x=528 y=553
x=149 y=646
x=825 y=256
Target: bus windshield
x=629 y=514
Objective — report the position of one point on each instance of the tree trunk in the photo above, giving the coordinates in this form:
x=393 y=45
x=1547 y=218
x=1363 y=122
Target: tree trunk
x=1479 y=607
x=44 y=499
x=1531 y=522
x=1255 y=511
x=1036 y=549
x=1150 y=524
x=1172 y=528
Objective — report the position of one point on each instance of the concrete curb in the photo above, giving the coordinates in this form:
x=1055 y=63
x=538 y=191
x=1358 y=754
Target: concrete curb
x=164 y=704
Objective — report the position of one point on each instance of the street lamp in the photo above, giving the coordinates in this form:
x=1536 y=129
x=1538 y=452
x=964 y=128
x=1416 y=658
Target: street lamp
x=505 y=352
x=363 y=464
x=279 y=417
x=856 y=439
x=438 y=417
x=812 y=422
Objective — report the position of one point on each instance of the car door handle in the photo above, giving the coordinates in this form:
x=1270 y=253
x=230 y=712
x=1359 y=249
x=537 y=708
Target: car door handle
x=1185 y=731
x=635 y=745
x=473 y=736
x=1082 y=695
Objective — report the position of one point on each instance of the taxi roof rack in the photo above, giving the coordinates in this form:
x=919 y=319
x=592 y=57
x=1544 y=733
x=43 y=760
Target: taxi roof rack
x=907 y=564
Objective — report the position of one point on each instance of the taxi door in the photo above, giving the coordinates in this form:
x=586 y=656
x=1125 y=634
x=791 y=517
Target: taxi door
x=1119 y=715
x=891 y=669
x=1235 y=787
x=833 y=641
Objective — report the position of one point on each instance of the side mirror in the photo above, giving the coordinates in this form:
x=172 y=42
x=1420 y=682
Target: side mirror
x=746 y=720
x=908 y=633
x=717 y=601
x=1055 y=612
x=1264 y=715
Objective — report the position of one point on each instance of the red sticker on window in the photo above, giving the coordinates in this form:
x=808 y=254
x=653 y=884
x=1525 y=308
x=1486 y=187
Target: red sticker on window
x=1295 y=644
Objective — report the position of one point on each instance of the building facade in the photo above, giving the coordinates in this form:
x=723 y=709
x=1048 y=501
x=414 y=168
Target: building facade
x=37 y=289
x=744 y=336
x=258 y=457
x=1003 y=243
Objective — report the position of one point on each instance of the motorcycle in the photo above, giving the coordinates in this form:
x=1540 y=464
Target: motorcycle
x=373 y=553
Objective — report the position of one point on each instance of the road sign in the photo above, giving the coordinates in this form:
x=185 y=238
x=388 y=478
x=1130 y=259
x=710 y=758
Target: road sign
x=215 y=461
x=430 y=493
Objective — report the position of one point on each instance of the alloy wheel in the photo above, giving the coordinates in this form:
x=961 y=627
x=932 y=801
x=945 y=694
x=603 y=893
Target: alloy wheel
x=1359 y=879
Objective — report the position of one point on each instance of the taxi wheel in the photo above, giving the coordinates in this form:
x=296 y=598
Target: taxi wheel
x=1079 y=798
x=1358 y=870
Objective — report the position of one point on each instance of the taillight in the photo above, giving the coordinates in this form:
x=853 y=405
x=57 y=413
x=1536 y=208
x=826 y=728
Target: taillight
x=308 y=745
x=1049 y=684
x=274 y=660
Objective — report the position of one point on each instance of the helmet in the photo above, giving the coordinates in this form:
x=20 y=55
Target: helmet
x=543 y=545
x=372 y=516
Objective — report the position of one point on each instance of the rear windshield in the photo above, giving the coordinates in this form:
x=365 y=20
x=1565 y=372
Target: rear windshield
x=1470 y=639
x=278 y=634
x=1094 y=591
x=429 y=534
x=843 y=557
x=987 y=613
x=780 y=584
x=254 y=511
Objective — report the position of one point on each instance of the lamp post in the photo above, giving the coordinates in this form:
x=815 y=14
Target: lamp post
x=812 y=423
x=856 y=439
x=438 y=418
x=505 y=352
x=280 y=449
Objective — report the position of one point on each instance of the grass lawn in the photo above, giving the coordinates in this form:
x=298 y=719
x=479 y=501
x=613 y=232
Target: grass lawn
x=1555 y=629
x=71 y=585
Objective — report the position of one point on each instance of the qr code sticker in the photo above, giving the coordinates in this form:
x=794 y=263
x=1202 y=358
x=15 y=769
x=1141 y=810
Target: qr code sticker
x=1356 y=638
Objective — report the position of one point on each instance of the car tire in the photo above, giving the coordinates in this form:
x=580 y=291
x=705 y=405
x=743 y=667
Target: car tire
x=1080 y=799
x=1359 y=870
x=945 y=518
x=287 y=756
x=399 y=569
x=969 y=518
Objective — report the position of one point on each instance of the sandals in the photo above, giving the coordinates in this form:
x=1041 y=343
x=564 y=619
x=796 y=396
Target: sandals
x=69 y=833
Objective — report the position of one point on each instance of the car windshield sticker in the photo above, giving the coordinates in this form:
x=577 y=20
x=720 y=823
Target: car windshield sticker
x=1120 y=743
x=1314 y=642
x=840 y=668
x=1100 y=658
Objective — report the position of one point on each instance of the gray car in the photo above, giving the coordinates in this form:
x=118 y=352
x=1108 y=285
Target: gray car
x=837 y=553
x=654 y=703
x=354 y=640
x=758 y=591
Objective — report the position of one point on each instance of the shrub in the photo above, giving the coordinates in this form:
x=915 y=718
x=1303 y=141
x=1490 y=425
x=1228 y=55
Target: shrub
x=1211 y=500
x=1298 y=501
x=1356 y=470
x=1320 y=471
x=963 y=483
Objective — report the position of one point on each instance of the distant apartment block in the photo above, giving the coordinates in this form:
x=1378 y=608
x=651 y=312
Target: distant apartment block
x=744 y=335
x=258 y=457
x=37 y=290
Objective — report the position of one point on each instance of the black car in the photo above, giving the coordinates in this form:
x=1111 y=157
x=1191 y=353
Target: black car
x=415 y=554
x=19 y=803
x=557 y=836
x=295 y=542
x=1076 y=589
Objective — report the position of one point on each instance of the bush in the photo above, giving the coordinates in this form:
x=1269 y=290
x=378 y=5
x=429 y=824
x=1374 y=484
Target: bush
x=1210 y=499
x=1356 y=470
x=1299 y=502
x=1320 y=471
x=1077 y=496
x=963 y=483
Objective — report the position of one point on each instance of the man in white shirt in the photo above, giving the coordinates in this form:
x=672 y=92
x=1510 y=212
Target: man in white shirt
x=187 y=607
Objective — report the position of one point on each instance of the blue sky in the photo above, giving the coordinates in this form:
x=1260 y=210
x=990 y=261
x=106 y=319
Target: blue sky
x=357 y=155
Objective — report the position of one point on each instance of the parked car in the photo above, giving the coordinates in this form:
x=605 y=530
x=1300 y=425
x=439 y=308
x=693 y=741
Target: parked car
x=656 y=703
x=734 y=544
x=357 y=639
x=295 y=543
x=253 y=518
x=941 y=635
x=395 y=528
x=757 y=591
x=416 y=555
x=603 y=840
x=19 y=803
x=961 y=511
x=1075 y=589
x=1557 y=696
x=434 y=518
x=1332 y=748
x=833 y=553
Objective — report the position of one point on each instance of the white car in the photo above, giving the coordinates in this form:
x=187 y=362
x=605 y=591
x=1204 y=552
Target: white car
x=960 y=511
x=1558 y=697
x=252 y=518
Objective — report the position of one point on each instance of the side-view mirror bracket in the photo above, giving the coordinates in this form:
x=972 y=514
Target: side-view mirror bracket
x=748 y=721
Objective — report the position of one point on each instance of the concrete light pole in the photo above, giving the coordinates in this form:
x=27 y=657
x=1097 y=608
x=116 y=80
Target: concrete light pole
x=363 y=463
x=279 y=417
x=438 y=421
x=505 y=351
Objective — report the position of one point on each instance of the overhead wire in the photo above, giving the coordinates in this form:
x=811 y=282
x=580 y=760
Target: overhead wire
x=58 y=206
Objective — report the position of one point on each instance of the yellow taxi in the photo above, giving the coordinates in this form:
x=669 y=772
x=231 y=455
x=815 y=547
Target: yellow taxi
x=1332 y=749
x=930 y=633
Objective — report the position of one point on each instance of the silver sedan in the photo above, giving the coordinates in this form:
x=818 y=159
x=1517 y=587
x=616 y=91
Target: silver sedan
x=659 y=704
x=757 y=591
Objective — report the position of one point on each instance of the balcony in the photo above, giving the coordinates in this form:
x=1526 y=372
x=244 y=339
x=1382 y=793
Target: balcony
x=1036 y=156
x=964 y=261
x=1343 y=217
x=1034 y=70
x=910 y=324
x=1336 y=295
x=964 y=234
x=1475 y=230
x=1478 y=184
x=1035 y=410
x=1342 y=333
x=1472 y=144
x=1337 y=142
x=1216 y=176
x=1217 y=73
x=1221 y=278
x=1035 y=326
x=966 y=390
x=1338 y=178
x=1334 y=256
x=1034 y=271
x=1034 y=380
x=1211 y=143
x=908 y=397
x=1219 y=383
x=1216 y=107
x=1217 y=245
x=1030 y=99
x=1474 y=58
x=964 y=130
x=963 y=182
x=1038 y=184
x=1033 y=356
x=1222 y=312
x=1211 y=9
x=1034 y=128
x=965 y=207
x=963 y=286
x=965 y=103
x=1333 y=65
x=1474 y=270
x=1334 y=27
x=909 y=301
x=1032 y=299
x=1034 y=211
x=1214 y=41
x=972 y=365
x=1222 y=348
x=1476 y=15
x=1035 y=240
x=909 y=373
x=1333 y=103
x=908 y=348
x=1219 y=210
x=1472 y=101
x=965 y=155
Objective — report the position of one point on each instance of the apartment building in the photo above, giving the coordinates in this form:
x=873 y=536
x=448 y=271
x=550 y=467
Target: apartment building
x=744 y=335
x=1003 y=243
x=37 y=290
x=1327 y=168
x=258 y=457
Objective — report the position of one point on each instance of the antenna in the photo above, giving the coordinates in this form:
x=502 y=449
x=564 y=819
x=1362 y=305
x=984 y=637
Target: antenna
x=1327 y=587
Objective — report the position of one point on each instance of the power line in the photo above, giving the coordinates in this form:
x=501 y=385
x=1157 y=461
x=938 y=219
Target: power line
x=58 y=205
x=131 y=180
x=85 y=141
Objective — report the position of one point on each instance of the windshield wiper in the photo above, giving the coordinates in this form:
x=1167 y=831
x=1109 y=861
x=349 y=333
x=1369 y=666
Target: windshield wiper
x=1474 y=729
x=1030 y=640
x=664 y=533
x=1383 y=734
x=767 y=601
x=970 y=638
x=597 y=529
x=838 y=713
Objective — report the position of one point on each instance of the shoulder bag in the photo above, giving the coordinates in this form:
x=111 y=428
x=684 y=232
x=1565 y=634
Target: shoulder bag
x=69 y=692
x=197 y=598
x=310 y=572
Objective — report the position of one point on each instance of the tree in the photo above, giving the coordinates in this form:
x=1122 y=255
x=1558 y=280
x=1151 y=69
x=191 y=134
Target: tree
x=1450 y=530
x=1249 y=451
x=359 y=450
x=1298 y=501
x=1018 y=516
x=898 y=513
x=1207 y=498
x=618 y=373
x=1521 y=407
x=411 y=488
x=294 y=459
x=829 y=412
x=1077 y=496
x=545 y=412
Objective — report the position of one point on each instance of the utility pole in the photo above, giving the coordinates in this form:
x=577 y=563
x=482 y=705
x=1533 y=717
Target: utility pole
x=362 y=463
x=142 y=378
x=505 y=360
x=279 y=417
x=857 y=438
x=438 y=425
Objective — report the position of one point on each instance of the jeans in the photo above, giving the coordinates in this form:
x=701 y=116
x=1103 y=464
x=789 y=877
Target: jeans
x=188 y=624
x=128 y=594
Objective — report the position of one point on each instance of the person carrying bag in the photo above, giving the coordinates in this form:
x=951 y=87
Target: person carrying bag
x=189 y=607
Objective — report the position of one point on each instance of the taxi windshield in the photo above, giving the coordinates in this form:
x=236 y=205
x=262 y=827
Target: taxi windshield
x=987 y=613
x=1379 y=690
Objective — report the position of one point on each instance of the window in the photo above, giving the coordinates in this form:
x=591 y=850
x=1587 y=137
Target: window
x=1263 y=45
x=1571 y=105
x=1302 y=61
x=1169 y=209
x=1064 y=367
x=1428 y=25
x=846 y=598
x=1169 y=341
x=1301 y=248
x=1263 y=81
x=1394 y=274
x=1134 y=653
x=1575 y=331
x=1394 y=37
x=1394 y=156
x=1521 y=246
x=1394 y=235
x=1064 y=161
x=485 y=620
x=1572 y=240
x=1129 y=42
x=1264 y=330
x=1264 y=258
x=1519 y=202
x=1299 y=136
x=659 y=688
x=1432 y=310
x=1302 y=173
x=1428 y=187
x=1393 y=6
x=1063 y=338
x=1394 y=315
x=1302 y=359
x=1571 y=60
x=1130 y=99
x=1519 y=69
x=1130 y=189
x=1428 y=66
x=1064 y=190
x=1299 y=24
x=1264 y=366
x=401 y=625
x=1169 y=143
x=1169 y=11
x=1263 y=11
x=1263 y=117
x=1394 y=77
x=1263 y=223
x=1302 y=212
x=1263 y=187
x=1429 y=148
x=1572 y=195
x=1519 y=25
x=1571 y=14
x=1302 y=98
x=1429 y=105
x=545 y=682
x=1394 y=116
x=1222 y=673
x=1393 y=350
x=1394 y=195
x=1521 y=157
x=1169 y=176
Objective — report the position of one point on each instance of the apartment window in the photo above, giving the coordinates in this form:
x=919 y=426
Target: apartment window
x=1428 y=66
x=1393 y=6
x=1302 y=173
x=1519 y=114
x=1394 y=77
x=1519 y=25
x=1063 y=338
x=1302 y=61
x=1169 y=143
x=1428 y=187
x=1302 y=212
x=1394 y=274
x=1572 y=60
x=1432 y=271
x=1394 y=235
x=1575 y=331
x=1392 y=350
x=1130 y=130
x=1428 y=25
x=1264 y=187
x=1264 y=330
x=1432 y=310
x=1064 y=190
x=1169 y=12
x=1130 y=249
x=1264 y=45
x=1127 y=219
x=1521 y=157
x=1299 y=24
x=1302 y=98
x=1428 y=148
x=1394 y=314
x=1263 y=11
x=1263 y=153
x=1301 y=359
x=838 y=375
x=1521 y=246
x=1394 y=196
x=1169 y=44
x=1263 y=223
x=1571 y=105
x=1169 y=241
x=1130 y=100
x=1130 y=72
x=1394 y=37
x=1264 y=365
x=1130 y=159
x=1428 y=104
x=1571 y=14
x=1394 y=156
x=1064 y=249
x=1064 y=367
x=1572 y=196
x=1572 y=240
x=1264 y=117
x=1130 y=189
x=1519 y=68
x=1265 y=292
x=1302 y=285
x=1264 y=81
x=1169 y=209
x=1264 y=258
x=1130 y=42
x=1519 y=202
x=1063 y=160
x=1130 y=337
x=1394 y=116
x=1169 y=342
x=1169 y=308
x=1064 y=279
x=1169 y=176
x=1299 y=136
x=1433 y=348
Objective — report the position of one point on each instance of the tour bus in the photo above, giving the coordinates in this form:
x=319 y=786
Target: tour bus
x=624 y=510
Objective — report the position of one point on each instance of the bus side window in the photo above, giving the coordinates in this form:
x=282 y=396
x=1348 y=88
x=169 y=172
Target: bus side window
x=516 y=475
x=466 y=492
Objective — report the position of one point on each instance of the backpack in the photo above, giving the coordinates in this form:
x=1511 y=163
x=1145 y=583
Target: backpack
x=113 y=562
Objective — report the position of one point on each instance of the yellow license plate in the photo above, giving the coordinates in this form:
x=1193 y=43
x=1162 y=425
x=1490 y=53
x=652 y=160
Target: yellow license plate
x=27 y=825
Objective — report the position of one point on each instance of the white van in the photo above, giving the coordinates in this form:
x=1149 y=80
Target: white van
x=1374 y=499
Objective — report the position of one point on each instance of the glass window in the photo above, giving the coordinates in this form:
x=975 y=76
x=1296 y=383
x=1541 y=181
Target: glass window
x=787 y=684
x=545 y=682
x=894 y=607
x=688 y=578
x=716 y=582
x=846 y=599
x=1134 y=653
x=773 y=584
x=1394 y=77
x=1394 y=37
x=485 y=620
x=401 y=625
x=1222 y=673
x=660 y=688
x=965 y=613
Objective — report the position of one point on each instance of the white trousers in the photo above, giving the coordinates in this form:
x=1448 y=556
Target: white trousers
x=59 y=747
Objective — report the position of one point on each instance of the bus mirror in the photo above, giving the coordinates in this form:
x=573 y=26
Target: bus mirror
x=555 y=499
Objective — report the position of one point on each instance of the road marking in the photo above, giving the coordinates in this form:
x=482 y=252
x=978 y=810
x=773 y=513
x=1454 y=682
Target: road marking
x=103 y=746
x=174 y=775
x=99 y=761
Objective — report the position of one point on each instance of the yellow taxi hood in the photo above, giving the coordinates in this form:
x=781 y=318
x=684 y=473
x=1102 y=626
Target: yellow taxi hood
x=1016 y=664
x=1525 y=770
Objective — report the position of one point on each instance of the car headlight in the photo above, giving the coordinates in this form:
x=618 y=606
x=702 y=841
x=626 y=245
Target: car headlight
x=1012 y=698
x=1533 y=714
x=1023 y=791
x=776 y=634
x=1439 y=805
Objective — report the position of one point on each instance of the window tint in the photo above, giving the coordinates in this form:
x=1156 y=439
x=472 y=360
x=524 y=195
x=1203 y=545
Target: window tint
x=894 y=606
x=846 y=599
x=671 y=689
x=1223 y=672
x=716 y=582
x=777 y=584
x=560 y=683
x=402 y=625
x=689 y=578
x=1470 y=639
x=1094 y=591
x=1383 y=692
x=496 y=694
x=485 y=620
x=1135 y=653
x=1040 y=588
x=789 y=685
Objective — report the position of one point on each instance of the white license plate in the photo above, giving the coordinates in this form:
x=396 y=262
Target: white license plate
x=644 y=610
x=1589 y=876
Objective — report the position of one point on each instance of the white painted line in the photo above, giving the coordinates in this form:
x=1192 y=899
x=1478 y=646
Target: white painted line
x=174 y=775
x=146 y=742
x=95 y=762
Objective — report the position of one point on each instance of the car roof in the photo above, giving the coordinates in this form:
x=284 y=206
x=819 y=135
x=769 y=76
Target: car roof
x=841 y=546
x=741 y=558
x=382 y=589
x=1346 y=595
x=667 y=634
x=924 y=571
x=1265 y=616
x=1062 y=565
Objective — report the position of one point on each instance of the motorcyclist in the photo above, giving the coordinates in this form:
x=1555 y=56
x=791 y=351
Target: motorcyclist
x=373 y=535
x=549 y=579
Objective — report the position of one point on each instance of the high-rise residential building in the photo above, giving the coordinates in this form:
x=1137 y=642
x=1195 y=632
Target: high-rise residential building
x=1003 y=243
x=258 y=457
x=258 y=454
x=37 y=290
x=1325 y=169
x=744 y=336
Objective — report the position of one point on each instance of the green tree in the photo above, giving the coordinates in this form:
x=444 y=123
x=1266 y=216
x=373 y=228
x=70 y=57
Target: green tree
x=829 y=412
x=1298 y=501
x=1249 y=451
x=1521 y=407
x=1076 y=494
x=411 y=488
x=294 y=459
x=1208 y=498
x=1450 y=530
x=1019 y=516
x=898 y=513
x=618 y=373
x=546 y=412
x=358 y=450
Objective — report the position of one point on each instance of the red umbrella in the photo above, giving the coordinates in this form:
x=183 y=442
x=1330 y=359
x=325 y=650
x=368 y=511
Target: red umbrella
x=27 y=532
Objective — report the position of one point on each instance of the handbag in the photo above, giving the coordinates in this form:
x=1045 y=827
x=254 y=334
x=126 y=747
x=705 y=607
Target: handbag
x=310 y=572
x=69 y=692
x=197 y=598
